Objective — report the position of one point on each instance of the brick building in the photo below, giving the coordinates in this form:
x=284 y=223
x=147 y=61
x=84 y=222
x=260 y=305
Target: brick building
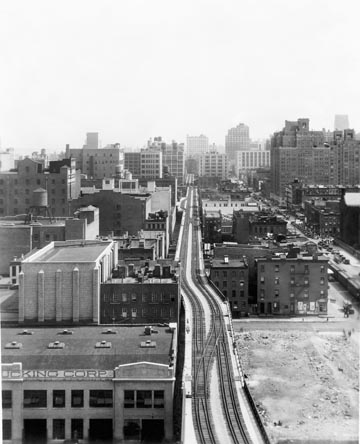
x=231 y=277
x=350 y=219
x=61 y=282
x=119 y=212
x=141 y=292
x=61 y=180
x=292 y=284
x=323 y=216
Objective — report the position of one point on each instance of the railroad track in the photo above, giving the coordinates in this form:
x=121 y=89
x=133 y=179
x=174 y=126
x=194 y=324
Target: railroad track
x=208 y=350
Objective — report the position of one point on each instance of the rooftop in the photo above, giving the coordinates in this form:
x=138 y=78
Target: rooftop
x=80 y=350
x=70 y=251
x=232 y=263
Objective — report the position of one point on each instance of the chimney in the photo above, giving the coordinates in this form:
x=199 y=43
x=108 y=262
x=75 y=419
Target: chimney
x=226 y=259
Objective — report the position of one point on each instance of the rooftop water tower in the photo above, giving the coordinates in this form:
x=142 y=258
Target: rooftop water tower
x=39 y=206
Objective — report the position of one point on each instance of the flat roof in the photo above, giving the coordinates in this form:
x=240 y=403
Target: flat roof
x=81 y=252
x=352 y=199
x=80 y=351
x=233 y=263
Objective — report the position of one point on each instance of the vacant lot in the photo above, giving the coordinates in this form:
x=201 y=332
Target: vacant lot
x=305 y=382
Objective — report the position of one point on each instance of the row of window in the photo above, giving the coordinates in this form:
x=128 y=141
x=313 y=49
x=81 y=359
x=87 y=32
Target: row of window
x=233 y=273
x=292 y=281
x=97 y=398
x=117 y=298
x=305 y=294
x=145 y=312
x=292 y=268
x=38 y=398
x=224 y=284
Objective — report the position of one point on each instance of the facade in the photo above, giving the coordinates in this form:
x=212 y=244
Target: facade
x=293 y=284
x=231 y=277
x=261 y=225
x=350 y=219
x=141 y=292
x=323 y=216
x=297 y=152
x=88 y=384
x=146 y=245
x=227 y=204
x=61 y=181
x=252 y=160
x=196 y=145
x=61 y=282
x=18 y=238
x=159 y=222
x=132 y=163
x=174 y=159
x=237 y=139
x=213 y=164
x=119 y=212
x=96 y=162
x=212 y=223
x=151 y=163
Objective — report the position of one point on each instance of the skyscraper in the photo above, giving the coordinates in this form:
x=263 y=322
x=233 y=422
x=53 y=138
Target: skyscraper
x=237 y=139
x=341 y=122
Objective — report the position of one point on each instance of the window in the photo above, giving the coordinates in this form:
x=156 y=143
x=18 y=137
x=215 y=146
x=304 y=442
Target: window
x=292 y=268
x=129 y=399
x=292 y=281
x=233 y=293
x=322 y=281
x=262 y=293
x=158 y=399
x=58 y=428
x=262 y=279
x=306 y=294
x=225 y=274
x=216 y=274
x=101 y=398
x=124 y=312
x=77 y=398
x=322 y=269
x=34 y=398
x=77 y=427
x=133 y=297
x=6 y=399
x=276 y=293
x=58 y=398
x=6 y=429
x=224 y=283
x=277 y=267
x=38 y=181
x=262 y=268
x=143 y=399
x=133 y=312
x=306 y=281
x=306 y=268
x=124 y=297
x=242 y=293
x=277 y=281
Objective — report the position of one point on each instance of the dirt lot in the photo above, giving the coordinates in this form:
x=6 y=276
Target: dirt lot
x=307 y=380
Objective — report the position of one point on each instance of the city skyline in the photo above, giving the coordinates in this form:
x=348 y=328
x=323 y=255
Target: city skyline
x=135 y=70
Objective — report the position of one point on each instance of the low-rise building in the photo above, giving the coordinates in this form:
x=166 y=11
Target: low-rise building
x=88 y=384
x=61 y=282
x=292 y=284
x=323 y=216
x=230 y=276
x=141 y=292
x=212 y=222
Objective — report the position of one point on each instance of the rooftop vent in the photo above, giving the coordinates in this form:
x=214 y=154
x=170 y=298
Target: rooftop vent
x=65 y=332
x=148 y=344
x=109 y=332
x=26 y=332
x=56 y=344
x=103 y=344
x=13 y=344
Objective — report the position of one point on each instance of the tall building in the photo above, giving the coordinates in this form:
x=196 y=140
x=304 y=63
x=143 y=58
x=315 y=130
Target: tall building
x=237 y=139
x=151 y=163
x=213 y=164
x=297 y=152
x=61 y=181
x=132 y=163
x=341 y=122
x=196 y=145
x=96 y=162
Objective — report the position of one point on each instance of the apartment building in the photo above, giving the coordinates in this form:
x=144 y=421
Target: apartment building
x=213 y=164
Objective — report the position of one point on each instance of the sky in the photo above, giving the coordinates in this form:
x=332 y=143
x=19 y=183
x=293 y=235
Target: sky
x=135 y=69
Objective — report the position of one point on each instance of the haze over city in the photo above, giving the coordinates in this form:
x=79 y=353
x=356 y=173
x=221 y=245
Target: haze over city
x=139 y=69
